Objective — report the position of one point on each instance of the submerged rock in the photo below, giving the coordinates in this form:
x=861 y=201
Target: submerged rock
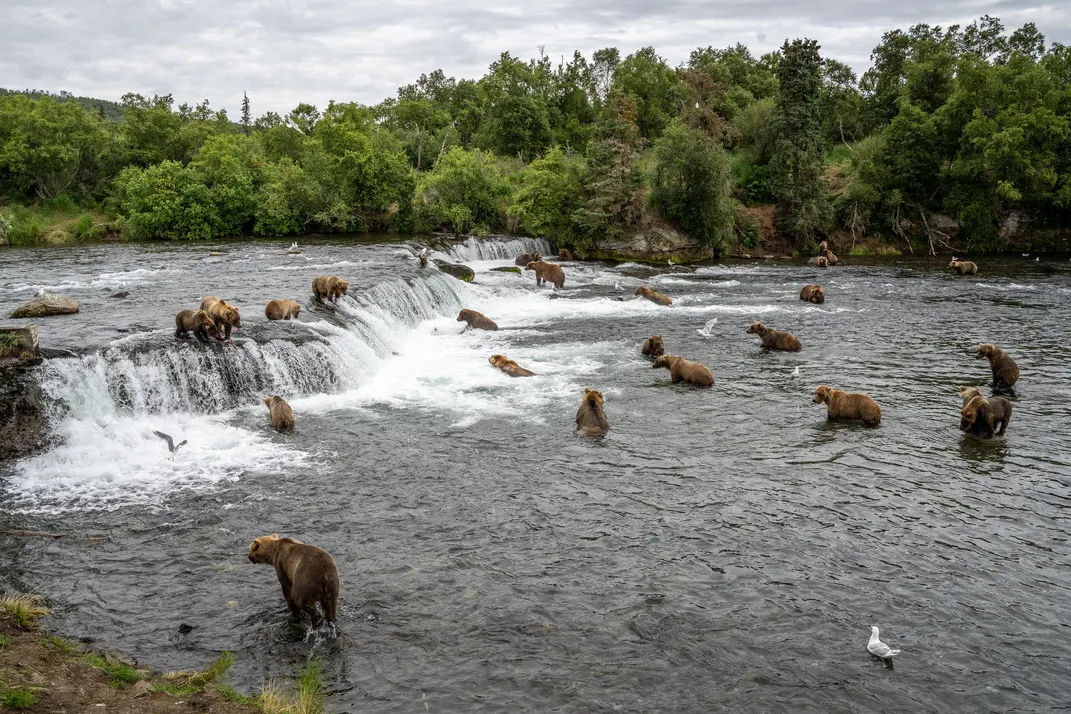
x=507 y=269
x=461 y=272
x=45 y=305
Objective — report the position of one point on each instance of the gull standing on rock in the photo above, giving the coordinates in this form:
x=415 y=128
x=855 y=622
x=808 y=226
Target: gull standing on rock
x=878 y=648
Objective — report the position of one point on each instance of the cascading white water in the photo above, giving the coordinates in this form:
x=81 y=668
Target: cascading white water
x=501 y=249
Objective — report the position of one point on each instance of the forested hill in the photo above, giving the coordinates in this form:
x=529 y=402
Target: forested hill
x=954 y=137
x=106 y=108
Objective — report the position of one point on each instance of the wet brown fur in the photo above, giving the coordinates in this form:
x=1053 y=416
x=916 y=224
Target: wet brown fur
x=1005 y=371
x=590 y=418
x=566 y=254
x=841 y=405
x=307 y=574
x=981 y=417
x=282 y=416
x=969 y=393
x=775 y=339
x=547 y=273
x=821 y=262
x=225 y=316
x=476 y=320
x=653 y=347
x=825 y=252
x=509 y=366
x=683 y=370
x=964 y=267
x=525 y=258
x=199 y=322
x=282 y=310
x=813 y=293
x=329 y=287
x=653 y=296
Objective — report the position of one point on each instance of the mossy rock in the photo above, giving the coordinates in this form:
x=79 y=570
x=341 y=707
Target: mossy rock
x=507 y=269
x=461 y=272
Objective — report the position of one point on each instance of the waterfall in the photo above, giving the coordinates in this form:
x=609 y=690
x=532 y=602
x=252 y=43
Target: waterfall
x=498 y=248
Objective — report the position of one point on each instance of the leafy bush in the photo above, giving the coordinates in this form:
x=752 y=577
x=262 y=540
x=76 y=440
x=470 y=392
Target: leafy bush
x=466 y=191
x=551 y=192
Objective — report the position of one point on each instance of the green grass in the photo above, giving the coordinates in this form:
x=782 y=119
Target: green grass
x=17 y=698
x=306 y=698
x=3 y=643
x=58 y=643
x=228 y=692
x=8 y=341
x=121 y=674
x=56 y=221
x=879 y=250
x=26 y=609
x=181 y=684
x=838 y=155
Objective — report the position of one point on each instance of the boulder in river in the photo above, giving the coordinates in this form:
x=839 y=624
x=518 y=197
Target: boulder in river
x=45 y=305
x=459 y=271
x=656 y=244
x=507 y=269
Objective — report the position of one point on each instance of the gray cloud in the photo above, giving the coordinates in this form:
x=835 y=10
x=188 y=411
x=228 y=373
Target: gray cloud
x=287 y=51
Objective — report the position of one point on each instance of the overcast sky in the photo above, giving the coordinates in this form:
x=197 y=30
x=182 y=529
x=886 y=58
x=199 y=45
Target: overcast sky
x=287 y=51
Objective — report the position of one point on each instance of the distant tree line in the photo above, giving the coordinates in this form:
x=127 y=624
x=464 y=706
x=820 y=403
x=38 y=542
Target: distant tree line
x=969 y=123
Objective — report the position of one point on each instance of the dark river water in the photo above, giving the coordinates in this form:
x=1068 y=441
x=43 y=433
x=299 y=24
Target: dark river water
x=720 y=550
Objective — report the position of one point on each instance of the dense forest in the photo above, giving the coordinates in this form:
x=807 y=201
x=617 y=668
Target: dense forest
x=954 y=134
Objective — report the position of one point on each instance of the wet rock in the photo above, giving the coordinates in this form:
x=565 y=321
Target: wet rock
x=23 y=421
x=461 y=272
x=646 y=627
x=507 y=269
x=185 y=629
x=121 y=294
x=46 y=305
x=657 y=244
x=19 y=342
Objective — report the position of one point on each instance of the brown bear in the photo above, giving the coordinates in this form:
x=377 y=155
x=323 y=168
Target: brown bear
x=653 y=347
x=1005 y=371
x=547 y=273
x=655 y=297
x=329 y=287
x=476 y=320
x=821 y=262
x=525 y=258
x=509 y=366
x=981 y=417
x=565 y=254
x=964 y=267
x=590 y=418
x=813 y=293
x=282 y=310
x=225 y=316
x=199 y=322
x=840 y=405
x=825 y=252
x=684 y=370
x=307 y=574
x=969 y=393
x=282 y=416
x=775 y=339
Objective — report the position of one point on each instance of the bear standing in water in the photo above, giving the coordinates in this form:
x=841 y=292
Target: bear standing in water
x=282 y=416
x=654 y=296
x=841 y=405
x=547 y=273
x=476 y=320
x=199 y=322
x=307 y=575
x=775 y=339
x=813 y=293
x=282 y=310
x=653 y=347
x=590 y=418
x=683 y=370
x=1005 y=371
x=964 y=267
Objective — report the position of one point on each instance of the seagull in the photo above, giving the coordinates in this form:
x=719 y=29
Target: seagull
x=705 y=332
x=294 y=250
x=1026 y=255
x=1037 y=259
x=171 y=445
x=617 y=285
x=796 y=372
x=423 y=256
x=878 y=648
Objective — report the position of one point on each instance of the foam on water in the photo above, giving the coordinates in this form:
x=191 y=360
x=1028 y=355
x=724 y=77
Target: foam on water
x=111 y=281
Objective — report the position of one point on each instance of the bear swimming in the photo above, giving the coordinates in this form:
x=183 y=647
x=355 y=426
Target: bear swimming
x=653 y=347
x=775 y=339
x=1005 y=371
x=476 y=320
x=681 y=369
x=841 y=405
x=525 y=258
x=282 y=310
x=653 y=296
x=307 y=575
x=199 y=322
x=590 y=418
x=964 y=267
x=225 y=316
x=509 y=366
x=282 y=416
x=813 y=293
x=547 y=273
x=981 y=417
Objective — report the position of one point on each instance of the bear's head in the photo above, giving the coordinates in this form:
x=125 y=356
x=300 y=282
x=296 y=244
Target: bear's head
x=269 y=401
x=986 y=351
x=295 y=308
x=954 y=264
x=969 y=393
x=822 y=261
x=644 y=290
x=498 y=360
x=532 y=264
x=466 y=316
x=822 y=247
x=230 y=315
x=817 y=294
x=262 y=549
x=590 y=395
x=822 y=394
x=654 y=344
x=341 y=287
x=969 y=413
x=757 y=328
x=207 y=323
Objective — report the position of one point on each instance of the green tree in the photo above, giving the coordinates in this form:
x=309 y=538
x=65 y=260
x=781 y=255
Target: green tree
x=551 y=192
x=466 y=192
x=167 y=200
x=654 y=87
x=796 y=165
x=692 y=185
x=247 y=116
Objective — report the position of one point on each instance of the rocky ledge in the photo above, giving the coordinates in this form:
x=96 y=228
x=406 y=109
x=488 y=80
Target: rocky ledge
x=23 y=422
x=657 y=244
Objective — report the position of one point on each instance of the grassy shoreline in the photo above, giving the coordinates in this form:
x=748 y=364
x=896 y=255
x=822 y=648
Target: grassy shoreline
x=42 y=672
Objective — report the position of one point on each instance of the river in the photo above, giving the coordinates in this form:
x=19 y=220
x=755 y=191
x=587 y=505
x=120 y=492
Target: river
x=720 y=550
